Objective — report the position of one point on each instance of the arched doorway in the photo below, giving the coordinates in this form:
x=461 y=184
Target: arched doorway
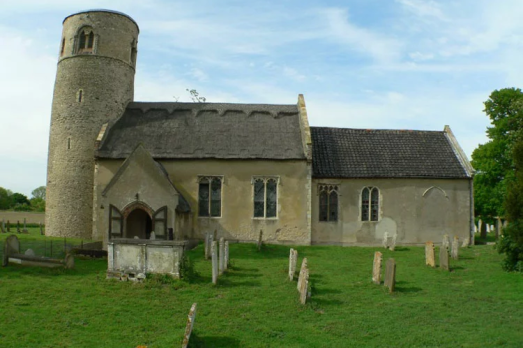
x=138 y=224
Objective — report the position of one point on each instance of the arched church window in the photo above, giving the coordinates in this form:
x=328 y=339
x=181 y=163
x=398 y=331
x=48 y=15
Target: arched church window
x=265 y=197
x=160 y=223
x=370 y=204
x=210 y=196
x=328 y=202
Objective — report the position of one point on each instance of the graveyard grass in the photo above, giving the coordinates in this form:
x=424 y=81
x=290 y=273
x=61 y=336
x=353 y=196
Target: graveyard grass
x=255 y=305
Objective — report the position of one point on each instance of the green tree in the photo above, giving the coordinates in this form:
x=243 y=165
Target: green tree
x=512 y=242
x=18 y=199
x=39 y=192
x=493 y=161
x=5 y=200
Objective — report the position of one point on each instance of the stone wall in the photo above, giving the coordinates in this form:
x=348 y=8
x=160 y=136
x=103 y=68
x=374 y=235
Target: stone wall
x=417 y=210
x=90 y=90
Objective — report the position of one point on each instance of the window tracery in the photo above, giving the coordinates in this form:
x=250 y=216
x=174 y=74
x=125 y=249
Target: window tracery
x=265 y=197
x=210 y=196
x=328 y=202
x=370 y=204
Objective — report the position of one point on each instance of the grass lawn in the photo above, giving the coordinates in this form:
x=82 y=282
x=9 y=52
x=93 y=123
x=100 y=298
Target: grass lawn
x=254 y=305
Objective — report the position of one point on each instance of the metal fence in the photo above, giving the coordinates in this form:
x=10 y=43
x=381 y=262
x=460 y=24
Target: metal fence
x=53 y=248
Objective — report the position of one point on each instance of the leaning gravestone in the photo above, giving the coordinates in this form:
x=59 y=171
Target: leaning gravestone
x=304 y=287
x=226 y=256
x=221 y=258
x=390 y=275
x=385 y=241
x=214 y=256
x=293 y=258
x=455 y=248
x=444 y=259
x=429 y=254
x=302 y=270
x=376 y=268
x=189 y=326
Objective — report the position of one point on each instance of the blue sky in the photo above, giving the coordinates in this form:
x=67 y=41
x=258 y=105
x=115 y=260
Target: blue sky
x=393 y=64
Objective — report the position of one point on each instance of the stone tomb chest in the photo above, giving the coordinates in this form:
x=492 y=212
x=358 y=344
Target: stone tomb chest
x=134 y=256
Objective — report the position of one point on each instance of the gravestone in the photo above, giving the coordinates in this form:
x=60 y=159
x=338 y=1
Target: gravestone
x=444 y=259
x=390 y=275
x=214 y=256
x=2 y=226
x=8 y=226
x=455 y=248
x=480 y=225
x=24 y=230
x=488 y=228
x=260 y=238
x=376 y=268
x=392 y=244
x=11 y=246
x=446 y=242
x=18 y=226
x=188 y=328
x=505 y=224
x=498 y=227
x=304 y=287
x=152 y=236
x=466 y=242
x=41 y=229
x=302 y=270
x=221 y=258
x=429 y=254
x=475 y=228
x=385 y=241
x=293 y=258
x=29 y=252
x=226 y=256
x=211 y=240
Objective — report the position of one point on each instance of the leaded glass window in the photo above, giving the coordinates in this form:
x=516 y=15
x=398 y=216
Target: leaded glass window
x=210 y=196
x=328 y=202
x=115 y=222
x=370 y=204
x=265 y=197
x=160 y=223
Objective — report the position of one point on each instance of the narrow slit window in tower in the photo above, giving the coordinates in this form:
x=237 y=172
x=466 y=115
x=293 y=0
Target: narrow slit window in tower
x=80 y=95
x=69 y=143
x=63 y=47
x=90 y=40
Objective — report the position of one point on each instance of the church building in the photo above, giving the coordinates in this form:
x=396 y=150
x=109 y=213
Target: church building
x=120 y=169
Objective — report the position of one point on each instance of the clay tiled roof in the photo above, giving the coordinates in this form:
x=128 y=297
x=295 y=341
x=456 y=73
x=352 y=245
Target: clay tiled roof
x=206 y=130
x=369 y=153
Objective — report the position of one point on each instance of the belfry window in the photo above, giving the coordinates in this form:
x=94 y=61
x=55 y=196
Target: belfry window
x=85 y=41
x=265 y=197
x=328 y=202
x=370 y=204
x=210 y=196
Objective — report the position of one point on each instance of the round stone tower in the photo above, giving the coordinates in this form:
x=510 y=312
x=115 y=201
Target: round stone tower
x=94 y=83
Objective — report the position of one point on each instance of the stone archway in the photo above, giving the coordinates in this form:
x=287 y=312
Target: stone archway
x=138 y=221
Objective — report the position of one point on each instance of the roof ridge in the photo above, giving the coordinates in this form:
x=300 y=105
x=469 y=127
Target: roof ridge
x=379 y=129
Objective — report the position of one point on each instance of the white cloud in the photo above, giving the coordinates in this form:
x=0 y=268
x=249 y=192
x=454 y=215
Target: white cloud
x=424 y=8
x=378 y=46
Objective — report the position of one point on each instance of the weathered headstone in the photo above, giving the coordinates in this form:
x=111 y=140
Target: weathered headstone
x=260 y=239
x=18 y=226
x=293 y=258
x=446 y=242
x=211 y=239
x=385 y=241
x=429 y=254
x=29 y=252
x=214 y=256
x=390 y=275
x=392 y=244
x=24 y=230
x=499 y=227
x=466 y=242
x=221 y=257
x=152 y=236
x=2 y=226
x=475 y=228
x=189 y=326
x=11 y=246
x=455 y=248
x=8 y=226
x=41 y=229
x=302 y=270
x=304 y=286
x=444 y=259
x=376 y=268
x=226 y=256
x=480 y=225
x=488 y=228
